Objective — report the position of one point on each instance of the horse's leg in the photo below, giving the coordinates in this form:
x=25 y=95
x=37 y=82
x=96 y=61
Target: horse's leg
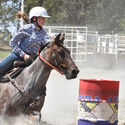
x=39 y=117
x=34 y=109
x=35 y=119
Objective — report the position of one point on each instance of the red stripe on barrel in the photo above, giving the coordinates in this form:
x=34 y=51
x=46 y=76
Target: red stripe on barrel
x=98 y=90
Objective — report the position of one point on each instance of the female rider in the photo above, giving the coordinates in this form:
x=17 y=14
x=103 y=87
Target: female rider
x=26 y=42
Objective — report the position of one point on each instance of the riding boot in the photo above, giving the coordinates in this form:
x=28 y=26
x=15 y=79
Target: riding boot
x=7 y=63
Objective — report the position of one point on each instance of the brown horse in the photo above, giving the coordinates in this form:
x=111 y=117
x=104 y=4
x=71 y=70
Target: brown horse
x=26 y=93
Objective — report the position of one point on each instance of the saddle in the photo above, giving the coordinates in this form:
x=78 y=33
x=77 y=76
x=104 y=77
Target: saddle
x=18 y=66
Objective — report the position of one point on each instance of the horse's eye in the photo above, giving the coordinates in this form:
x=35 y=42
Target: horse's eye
x=62 y=54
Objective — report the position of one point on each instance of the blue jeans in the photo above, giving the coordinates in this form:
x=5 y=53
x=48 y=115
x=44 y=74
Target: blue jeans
x=7 y=63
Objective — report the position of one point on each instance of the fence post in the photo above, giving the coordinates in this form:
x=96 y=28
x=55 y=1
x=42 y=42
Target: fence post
x=116 y=47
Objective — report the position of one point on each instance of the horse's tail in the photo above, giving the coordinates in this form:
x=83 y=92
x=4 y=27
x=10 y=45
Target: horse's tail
x=23 y=16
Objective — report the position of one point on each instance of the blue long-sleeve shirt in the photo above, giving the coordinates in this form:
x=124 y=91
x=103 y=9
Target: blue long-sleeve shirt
x=28 y=40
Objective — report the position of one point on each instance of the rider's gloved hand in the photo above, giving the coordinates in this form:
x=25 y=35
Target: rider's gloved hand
x=27 y=58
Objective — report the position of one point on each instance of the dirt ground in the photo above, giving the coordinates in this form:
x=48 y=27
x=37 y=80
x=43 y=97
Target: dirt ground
x=61 y=104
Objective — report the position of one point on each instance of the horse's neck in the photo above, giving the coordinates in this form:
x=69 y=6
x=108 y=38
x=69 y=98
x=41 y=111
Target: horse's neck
x=35 y=76
x=33 y=79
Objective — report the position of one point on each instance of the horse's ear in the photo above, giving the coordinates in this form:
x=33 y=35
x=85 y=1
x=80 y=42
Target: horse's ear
x=60 y=38
x=57 y=37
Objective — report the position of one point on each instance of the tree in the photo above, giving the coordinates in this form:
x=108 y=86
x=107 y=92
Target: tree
x=71 y=12
x=109 y=15
x=7 y=18
x=106 y=16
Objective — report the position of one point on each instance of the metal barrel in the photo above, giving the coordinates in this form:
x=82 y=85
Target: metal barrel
x=98 y=102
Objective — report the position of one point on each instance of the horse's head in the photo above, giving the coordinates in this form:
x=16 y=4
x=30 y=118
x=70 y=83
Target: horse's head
x=59 y=56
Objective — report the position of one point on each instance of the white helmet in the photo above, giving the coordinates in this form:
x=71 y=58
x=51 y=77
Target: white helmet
x=38 y=11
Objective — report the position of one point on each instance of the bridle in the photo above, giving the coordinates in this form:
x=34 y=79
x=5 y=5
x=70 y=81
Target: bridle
x=45 y=61
x=61 y=70
x=49 y=63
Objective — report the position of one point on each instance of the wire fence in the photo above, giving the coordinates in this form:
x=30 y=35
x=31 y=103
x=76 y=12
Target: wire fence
x=82 y=42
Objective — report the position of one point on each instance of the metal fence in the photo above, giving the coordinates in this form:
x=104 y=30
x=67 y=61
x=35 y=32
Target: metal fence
x=82 y=42
x=75 y=40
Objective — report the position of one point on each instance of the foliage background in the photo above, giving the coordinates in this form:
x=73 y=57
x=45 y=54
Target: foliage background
x=105 y=16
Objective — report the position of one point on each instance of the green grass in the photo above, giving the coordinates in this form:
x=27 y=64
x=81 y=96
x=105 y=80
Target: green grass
x=4 y=54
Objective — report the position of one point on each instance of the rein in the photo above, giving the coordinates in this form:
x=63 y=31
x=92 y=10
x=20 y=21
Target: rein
x=49 y=63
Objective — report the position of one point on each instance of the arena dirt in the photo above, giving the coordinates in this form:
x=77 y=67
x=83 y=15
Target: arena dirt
x=60 y=106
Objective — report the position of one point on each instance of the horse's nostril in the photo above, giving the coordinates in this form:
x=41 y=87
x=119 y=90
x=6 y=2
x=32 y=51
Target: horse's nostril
x=75 y=72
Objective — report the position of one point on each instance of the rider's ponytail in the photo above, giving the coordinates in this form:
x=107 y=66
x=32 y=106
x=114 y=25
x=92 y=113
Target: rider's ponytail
x=20 y=15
